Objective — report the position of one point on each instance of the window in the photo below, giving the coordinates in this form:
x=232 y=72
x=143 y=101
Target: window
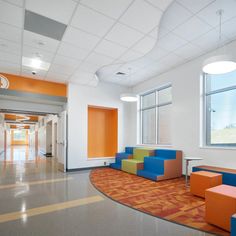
x=155 y=116
x=220 y=112
x=19 y=135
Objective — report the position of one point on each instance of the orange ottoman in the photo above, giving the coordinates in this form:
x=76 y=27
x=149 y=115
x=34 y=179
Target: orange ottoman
x=202 y=180
x=220 y=205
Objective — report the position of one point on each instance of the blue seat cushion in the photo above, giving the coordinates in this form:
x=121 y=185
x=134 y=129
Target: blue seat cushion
x=129 y=150
x=121 y=156
x=147 y=174
x=233 y=225
x=169 y=154
x=115 y=166
x=154 y=164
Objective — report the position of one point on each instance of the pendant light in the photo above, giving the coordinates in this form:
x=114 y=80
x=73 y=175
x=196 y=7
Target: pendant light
x=221 y=63
x=129 y=97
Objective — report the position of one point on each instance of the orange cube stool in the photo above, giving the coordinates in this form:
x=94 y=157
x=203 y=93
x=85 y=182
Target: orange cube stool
x=220 y=205
x=202 y=180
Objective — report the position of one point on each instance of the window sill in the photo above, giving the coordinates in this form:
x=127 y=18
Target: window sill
x=154 y=145
x=218 y=148
x=99 y=158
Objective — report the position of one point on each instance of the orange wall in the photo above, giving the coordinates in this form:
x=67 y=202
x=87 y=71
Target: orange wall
x=15 y=142
x=25 y=84
x=102 y=132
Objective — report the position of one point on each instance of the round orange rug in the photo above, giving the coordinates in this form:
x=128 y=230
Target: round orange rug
x=168 y=199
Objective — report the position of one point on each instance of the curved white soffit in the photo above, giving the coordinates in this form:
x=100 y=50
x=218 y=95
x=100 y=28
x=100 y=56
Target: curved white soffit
x=108 y=73
x=188 y=29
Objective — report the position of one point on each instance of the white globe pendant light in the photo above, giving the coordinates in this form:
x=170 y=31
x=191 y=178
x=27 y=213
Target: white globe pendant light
x=222 y=63
x=128 y=97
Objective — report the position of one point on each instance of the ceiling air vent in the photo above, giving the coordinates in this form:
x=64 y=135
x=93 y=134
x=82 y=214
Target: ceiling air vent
x=120 y=73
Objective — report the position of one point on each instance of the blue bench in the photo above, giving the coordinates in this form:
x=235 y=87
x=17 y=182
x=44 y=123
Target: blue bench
x=228 y=175
x=122 y=156
x=166 y=164
x=233 y=225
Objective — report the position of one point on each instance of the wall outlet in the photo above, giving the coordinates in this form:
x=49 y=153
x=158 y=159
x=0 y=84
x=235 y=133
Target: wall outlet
x=105 y=163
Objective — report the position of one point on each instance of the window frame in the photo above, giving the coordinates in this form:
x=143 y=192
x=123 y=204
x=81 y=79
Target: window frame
x=207 y=118
x=157 y=118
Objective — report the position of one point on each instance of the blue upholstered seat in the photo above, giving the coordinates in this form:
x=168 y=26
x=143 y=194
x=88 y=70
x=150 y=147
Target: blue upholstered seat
x=233 y=225
x=121 y=156
x=227 y=178
x=153 y=167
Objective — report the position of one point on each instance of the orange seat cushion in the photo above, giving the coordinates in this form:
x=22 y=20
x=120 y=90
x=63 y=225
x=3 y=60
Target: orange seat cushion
x=202 y=180
x=220 y=205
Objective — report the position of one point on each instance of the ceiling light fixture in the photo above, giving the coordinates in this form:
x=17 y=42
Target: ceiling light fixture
x=221 y=63
x=35 y=63
x=128 y=97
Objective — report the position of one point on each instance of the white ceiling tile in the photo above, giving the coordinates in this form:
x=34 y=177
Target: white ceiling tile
x=124 y=35
x=99 y=59
x=156 y=53
x=154 y=33
x=57 y=10
x=229 y=28
x=162 y=31
x=71 y=51
x=62 y=69
x=174 y=16
x=209 y=13
x=192 y=29
x=131 y=55
x=32 y=52
x=19 y=3
x=9 y=57
x=110 y=49
x=57 y=77
x=195 y=6
x=209 y=41
x=11 y=47
x=11 y=14
x=26 y=71
x=188 y=51
x=171 y=60
x=82 y=77
x=80 y=38
x=110 y=8
x=11 y=33
x=161 y=4
x=145 y=45
x=150 y=16
x=171 y=42
x=88 y=67
x=8 y=67
x=66 y=61
x=40 y=41
x=91 y=21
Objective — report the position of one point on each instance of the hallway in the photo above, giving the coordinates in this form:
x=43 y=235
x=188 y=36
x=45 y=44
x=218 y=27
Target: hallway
x=37 y=199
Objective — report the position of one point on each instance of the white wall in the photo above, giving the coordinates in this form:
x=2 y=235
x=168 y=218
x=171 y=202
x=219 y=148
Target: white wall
x=79 y=97
x=186 y=118
x=44 y=139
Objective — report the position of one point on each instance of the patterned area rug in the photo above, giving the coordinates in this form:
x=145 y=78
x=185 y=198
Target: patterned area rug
x=168 y=199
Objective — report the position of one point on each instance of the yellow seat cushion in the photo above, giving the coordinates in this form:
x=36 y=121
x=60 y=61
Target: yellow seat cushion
x=131 y=166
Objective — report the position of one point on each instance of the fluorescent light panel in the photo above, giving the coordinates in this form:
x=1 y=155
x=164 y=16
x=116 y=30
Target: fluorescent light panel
x=35 y=63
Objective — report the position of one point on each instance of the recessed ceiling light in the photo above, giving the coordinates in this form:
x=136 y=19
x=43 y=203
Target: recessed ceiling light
x=35 y=63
